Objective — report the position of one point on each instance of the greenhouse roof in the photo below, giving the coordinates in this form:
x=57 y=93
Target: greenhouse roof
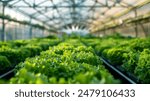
x=60 y=14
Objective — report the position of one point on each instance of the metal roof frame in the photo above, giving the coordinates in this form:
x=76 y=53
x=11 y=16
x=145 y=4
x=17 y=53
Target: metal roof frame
x=73 y=14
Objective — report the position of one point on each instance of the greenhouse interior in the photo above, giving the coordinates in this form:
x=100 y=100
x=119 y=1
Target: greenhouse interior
x=74 y=41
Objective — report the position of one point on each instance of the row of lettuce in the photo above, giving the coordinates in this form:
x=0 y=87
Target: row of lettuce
x=131 y=55
x=67 y=63
x=73 y=62
x=14 y=52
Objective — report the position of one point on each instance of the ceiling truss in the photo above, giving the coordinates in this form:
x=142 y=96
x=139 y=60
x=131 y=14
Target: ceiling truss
x=58 y=14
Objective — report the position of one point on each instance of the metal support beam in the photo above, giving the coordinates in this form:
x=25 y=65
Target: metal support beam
x=22 y=31
x=43 y=31
x=35 y=18
x=83 y=6
x=144 y=30
x=31 y=27
x=56 y=8
x=3 y=23
x=136 y=24
x=16 y=27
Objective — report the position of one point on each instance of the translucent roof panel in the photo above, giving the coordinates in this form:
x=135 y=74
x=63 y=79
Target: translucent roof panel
x=63 y=13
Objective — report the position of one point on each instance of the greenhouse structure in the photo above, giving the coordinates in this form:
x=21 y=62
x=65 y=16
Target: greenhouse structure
x=75 y=41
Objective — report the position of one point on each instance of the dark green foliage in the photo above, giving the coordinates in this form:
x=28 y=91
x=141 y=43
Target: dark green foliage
x=19 y=43
x=4 y=63
x=115 y=36
x=139 y=44
x=130 y=61
x=34 y=50
x=73 y=62
x=131 y=54
x=52 y=37
x=143 y=66
x=11 y=54
x=69 y=62
x=115 y=55
x=17 y=51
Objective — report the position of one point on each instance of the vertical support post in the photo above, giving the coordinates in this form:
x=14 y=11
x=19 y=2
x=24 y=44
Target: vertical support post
x=21 y=27
x=144 y=30
x=3 y=23
x=43 y=31
x=16 y=32
x=12 y=30
x=136 y=25
x=24 y=32
x=105 y=30
x=30 y=32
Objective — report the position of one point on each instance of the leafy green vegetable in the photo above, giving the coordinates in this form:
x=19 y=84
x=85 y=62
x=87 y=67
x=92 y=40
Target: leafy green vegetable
x=69 y=62
x=4 y=63
x=115 y=55
x=130 y=61
x=143 y=66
